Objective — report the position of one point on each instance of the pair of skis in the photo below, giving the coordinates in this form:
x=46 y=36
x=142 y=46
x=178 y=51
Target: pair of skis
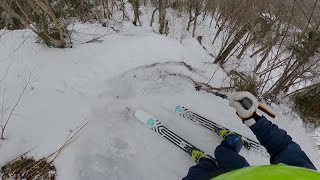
x=156 y=125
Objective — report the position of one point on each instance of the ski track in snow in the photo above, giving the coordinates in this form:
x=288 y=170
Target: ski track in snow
x=105 y=83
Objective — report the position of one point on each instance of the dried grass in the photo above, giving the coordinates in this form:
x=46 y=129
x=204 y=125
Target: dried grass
x=27 y=168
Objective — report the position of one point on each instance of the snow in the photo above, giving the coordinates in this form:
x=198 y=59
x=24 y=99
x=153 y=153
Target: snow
x=105 y=83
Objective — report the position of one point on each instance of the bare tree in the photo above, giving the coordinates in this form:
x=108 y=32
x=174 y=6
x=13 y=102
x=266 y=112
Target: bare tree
x=98 y=12
x=52 y=32
x=162 y=16
x=236 y=40
x=123 y=10
x=190 y=7
x=299 y=64
x=197 y=6
x=107 y=14
x=136 y=6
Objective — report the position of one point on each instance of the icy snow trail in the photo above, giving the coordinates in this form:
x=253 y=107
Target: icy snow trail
x=105 y=83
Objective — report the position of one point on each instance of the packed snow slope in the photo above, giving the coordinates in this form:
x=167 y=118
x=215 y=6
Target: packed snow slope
x=105 y=83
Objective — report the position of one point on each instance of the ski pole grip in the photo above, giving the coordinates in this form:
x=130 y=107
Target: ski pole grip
x=246 y=103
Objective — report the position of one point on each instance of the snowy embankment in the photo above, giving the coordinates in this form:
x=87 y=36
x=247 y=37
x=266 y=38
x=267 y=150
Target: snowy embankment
x=104 y=83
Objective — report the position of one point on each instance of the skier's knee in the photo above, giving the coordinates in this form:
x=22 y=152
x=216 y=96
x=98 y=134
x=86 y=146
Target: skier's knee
x=232 y=142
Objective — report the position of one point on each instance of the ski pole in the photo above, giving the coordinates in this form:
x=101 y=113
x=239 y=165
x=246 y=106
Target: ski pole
x=245 y=102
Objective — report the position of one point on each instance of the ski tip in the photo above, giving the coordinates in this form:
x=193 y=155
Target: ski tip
x=138 y=112
x=177 y=108
x=146 y=118
x=141 y=114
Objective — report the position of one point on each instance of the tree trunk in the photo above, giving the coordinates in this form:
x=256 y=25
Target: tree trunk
x=104 y=8
x=136 y=5
x=109 y=14
x=246 y=45
x=266 y=54
x=123 y=9
x=257 y=52
x=162 y=16
x=222 y=58
x=196 y=14
x=190 y=15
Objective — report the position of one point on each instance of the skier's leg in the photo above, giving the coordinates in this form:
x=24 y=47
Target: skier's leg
x=227 y=158
x=227 y=155
x=204 y=170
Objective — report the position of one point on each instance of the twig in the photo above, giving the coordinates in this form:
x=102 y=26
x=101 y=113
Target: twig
x=97 y=39
x=2 y=106
x=3 y=127
x=22 y=155
x=15 y=50
x=70 y=138
x=214 y=72
x=6 y=72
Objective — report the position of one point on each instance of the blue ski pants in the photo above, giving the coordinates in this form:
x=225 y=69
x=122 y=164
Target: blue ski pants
x=277 y=142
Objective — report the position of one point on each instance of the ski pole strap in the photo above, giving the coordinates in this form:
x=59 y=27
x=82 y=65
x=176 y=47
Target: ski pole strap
x=223 y=96
x=266 y=110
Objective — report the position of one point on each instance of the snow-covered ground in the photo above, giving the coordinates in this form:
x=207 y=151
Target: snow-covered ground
x=105 y=83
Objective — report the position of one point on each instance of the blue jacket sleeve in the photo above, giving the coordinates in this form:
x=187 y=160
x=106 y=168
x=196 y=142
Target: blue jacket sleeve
x=280 y=145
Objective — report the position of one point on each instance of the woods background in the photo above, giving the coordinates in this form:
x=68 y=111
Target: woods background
x=282 y=36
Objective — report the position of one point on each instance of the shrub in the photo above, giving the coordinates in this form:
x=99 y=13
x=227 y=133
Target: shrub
x=41 y=17
x=307 y=104
x=243 y=82
x=28 y=168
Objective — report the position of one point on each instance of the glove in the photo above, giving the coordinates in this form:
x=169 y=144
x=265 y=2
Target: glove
x=246 y=114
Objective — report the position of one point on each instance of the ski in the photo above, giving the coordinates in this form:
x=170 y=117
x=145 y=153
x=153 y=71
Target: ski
x=157 y=126
x=249 y=144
